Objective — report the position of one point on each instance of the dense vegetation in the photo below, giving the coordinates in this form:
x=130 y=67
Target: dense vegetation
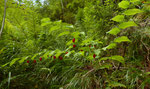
x=75 y=44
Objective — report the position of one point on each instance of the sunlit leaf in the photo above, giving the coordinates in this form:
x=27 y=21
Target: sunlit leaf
x=23 y=59
x=124 y=4
x=116 y=84
x=134 y=0
x=121 y=39
x=132 y=11
x=117 y=58
x=127 y=24
x=118 y=18
x=64 y=33
x=13 y=61
x=110 y=46
x=114 y=31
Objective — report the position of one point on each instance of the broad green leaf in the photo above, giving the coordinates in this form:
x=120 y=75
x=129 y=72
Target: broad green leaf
x=46 y=54
x=81 y=53
x=23 y=59
x=45 y=23
x=124 y=4
x=127 y=24
x=75 y=34
x=118 y=18
x=116 y=84
x=51 y=53
x=83 y=33
x=69 y=42
x=35 y=55
x=121 y=39
x=71 y=26
x=110 y=46
x=134 y=0
x=117 y=58
x=132 y=11
x=97 y=52
x=13 y=61
x=84 y=48
x=105 y=66
x=64 y=33
x=54 y=28
x=58 y=53
x=45 y=20
x=114 y=31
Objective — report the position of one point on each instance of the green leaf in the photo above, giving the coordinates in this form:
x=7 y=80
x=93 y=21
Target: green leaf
x=134 y=0
x=69 y=42
x=121 y=39
x=104 y=58
x=110 y=46
x=64 y=33
x=1 y=51
x=75 y=34
x=45 y=21
x=46 y=54
x=58 y=53
x=97 y=51
x=35 y=55
x=124 y=4
x=81 y=53
x=114 y=31
x=70 y=26
x=116 y=84
x=5 y=64
x=54 y=28
x=105 y=66
x=117 y=58
x=118 y=18
x=127 y=24
x=23 y=59
x=13 y=61
x=132 y=11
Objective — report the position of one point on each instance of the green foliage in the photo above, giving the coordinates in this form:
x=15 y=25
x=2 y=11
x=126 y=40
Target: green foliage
x=124 y=4
x=75 y=44
x=125 y=25
x=118 y=18
x=132 y=11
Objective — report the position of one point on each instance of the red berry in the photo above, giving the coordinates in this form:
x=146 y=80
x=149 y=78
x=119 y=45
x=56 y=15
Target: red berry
x=73 y=40
x=51 y=56
x=40 y=58
x=47 y=56
x=27 y=61
x=66 y=52
x=81 y=50
x=34 y=61
x=94 y=55
x=54 y=57
x=95 y=46
x=74 y=46
x=60 y=57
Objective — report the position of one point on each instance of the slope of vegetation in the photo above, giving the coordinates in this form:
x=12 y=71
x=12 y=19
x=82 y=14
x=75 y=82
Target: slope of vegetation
x=75 y=44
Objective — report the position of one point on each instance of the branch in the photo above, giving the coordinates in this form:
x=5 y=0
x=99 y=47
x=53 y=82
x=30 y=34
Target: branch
x=3 y=23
